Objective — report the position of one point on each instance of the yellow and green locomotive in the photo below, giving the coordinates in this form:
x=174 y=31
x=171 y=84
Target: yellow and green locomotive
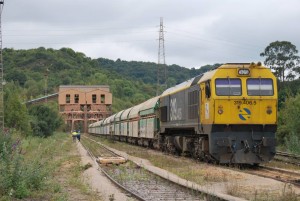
x=228 y=115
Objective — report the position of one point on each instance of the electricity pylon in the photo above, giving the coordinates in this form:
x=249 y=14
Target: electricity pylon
x=161 y=57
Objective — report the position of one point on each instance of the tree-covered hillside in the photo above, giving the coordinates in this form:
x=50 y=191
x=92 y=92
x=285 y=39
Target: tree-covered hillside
x=130 y=82
x=147 y=71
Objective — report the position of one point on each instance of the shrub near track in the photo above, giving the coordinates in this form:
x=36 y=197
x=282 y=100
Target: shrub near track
x=35 y=168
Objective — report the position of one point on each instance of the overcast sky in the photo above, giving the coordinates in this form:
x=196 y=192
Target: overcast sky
x=197 y=32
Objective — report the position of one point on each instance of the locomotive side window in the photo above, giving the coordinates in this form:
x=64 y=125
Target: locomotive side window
x=207 y=89
x=228 y=87
x=260 y=87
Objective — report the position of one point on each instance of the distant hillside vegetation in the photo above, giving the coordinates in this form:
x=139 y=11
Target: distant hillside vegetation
x=147 y=71
x=131 y=82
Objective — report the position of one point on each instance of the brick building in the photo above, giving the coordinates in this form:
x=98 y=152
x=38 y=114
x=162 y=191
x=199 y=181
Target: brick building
x=81 y=105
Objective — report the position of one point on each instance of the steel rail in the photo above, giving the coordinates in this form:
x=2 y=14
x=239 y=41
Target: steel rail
x=109 y=177
x=295 y=182
x=288 y=158
x=273 y=172
x=208 y=195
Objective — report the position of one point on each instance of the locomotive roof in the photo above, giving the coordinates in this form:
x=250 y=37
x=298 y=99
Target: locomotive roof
x=178 y=87
x=242 y=65
x=188 y=83
x=207 y=76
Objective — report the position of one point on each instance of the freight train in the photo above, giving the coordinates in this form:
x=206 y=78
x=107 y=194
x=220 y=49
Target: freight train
x=226 y=115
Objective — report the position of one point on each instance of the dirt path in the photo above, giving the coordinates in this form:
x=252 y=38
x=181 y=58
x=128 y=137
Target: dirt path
x=98 y=181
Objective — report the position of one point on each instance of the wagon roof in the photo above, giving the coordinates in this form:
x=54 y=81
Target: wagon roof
x=105 y=121
x=118 y=115
x=135 y=111
x=151 y=103
x=97 y=123
x=112 y=118
x=125 y=113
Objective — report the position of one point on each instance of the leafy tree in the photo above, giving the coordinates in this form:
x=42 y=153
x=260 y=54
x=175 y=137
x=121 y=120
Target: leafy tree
x=131 y=82
x=16 y=76
x=281 y=57
x=16 y=114
x=288 y=121
x=44 y=120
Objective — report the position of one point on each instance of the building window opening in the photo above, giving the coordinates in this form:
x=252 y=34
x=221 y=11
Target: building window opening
x=76 y=98
x=88 y=107
x=94 y=98
x=67 y=98
x=82 y=107
x=102 y=98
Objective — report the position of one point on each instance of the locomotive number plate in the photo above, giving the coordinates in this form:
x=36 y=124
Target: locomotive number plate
x=244 y=102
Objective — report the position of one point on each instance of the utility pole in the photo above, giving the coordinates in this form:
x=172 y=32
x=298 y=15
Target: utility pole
x=2 y=82
x=161 y=56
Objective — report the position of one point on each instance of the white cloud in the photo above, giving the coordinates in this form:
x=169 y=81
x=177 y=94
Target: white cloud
x=198 y=32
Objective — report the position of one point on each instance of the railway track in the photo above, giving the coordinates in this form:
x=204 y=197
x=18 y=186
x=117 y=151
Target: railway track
x=139 y=182
x=286 y=176
x=283 y=175
x=287 y=158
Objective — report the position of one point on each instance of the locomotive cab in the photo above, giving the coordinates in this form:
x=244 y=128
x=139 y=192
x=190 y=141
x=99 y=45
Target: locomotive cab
x=239 y=113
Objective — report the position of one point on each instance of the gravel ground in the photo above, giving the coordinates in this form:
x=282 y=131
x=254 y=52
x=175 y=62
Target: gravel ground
x=149 y=186
x=98 y=181
x=237 y=183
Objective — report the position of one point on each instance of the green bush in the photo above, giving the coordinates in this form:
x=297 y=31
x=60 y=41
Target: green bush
x=292 y=143
x=17 y=177
x=288 y=120
x=44 y=120
x=16 y=114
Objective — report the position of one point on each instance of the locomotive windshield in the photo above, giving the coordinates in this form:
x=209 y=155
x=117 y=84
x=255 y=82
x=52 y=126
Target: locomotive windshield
x=260 y=87
x=228 y=87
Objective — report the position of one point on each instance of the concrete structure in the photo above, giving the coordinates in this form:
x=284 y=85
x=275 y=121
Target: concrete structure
x=81 y=105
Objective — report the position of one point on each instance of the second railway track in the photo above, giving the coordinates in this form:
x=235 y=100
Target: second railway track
x=287 y=158
x=286 y=176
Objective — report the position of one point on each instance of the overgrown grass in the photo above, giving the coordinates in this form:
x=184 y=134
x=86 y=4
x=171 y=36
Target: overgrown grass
x=292 y=143
x=184 y=168
x=19 y=177
x=287 y=193
x=33 y=168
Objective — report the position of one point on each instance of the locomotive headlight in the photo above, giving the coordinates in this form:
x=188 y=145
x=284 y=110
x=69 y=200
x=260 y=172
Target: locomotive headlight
x=220 y=109
x=269 y=110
